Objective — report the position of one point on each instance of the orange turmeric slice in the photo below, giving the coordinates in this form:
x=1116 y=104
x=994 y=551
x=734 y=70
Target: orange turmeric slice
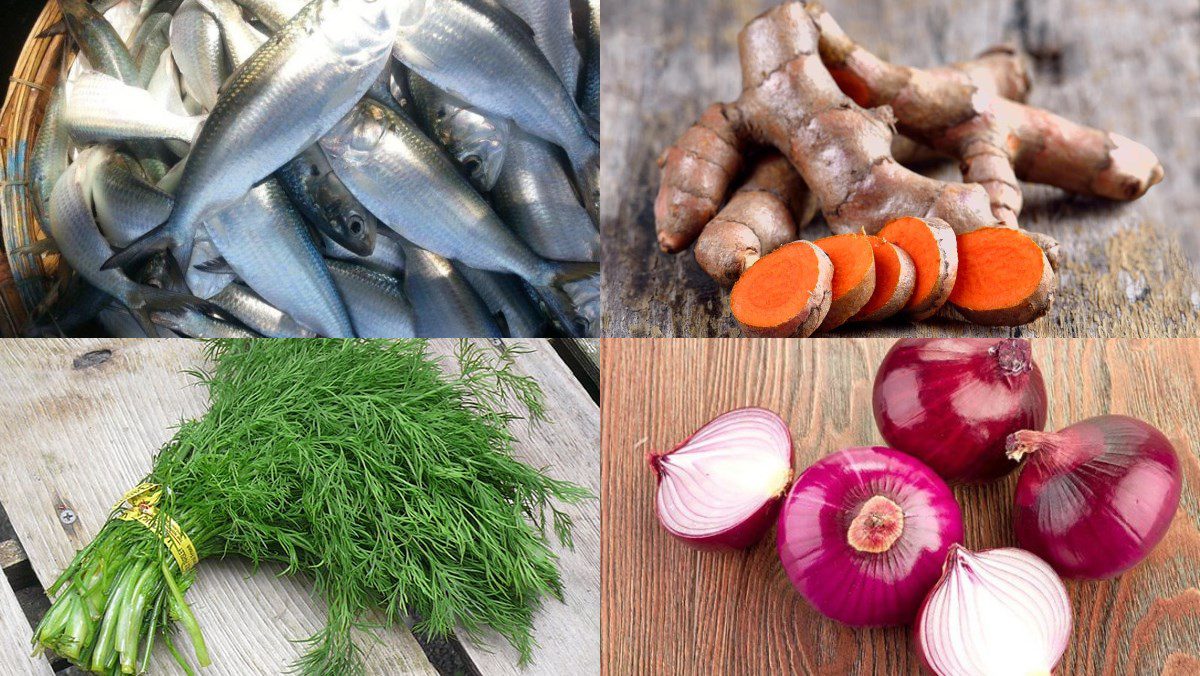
x=786 y=293
x=853 y=276
x=895 y=279
x=931 y=245
x=1004 y=278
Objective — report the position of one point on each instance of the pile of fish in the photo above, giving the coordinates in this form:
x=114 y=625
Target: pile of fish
x=373 y=168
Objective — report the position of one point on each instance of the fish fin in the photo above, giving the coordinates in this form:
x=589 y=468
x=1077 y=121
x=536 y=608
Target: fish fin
x=42 y=246
x=57 y=28
x=215 y=266
x=147 y=299
x=158 y=239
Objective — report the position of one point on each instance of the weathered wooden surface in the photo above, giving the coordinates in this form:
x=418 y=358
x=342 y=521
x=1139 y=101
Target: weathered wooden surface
x=669 y=609
x=80 y=436
x=15 y=634
x=1133 y=68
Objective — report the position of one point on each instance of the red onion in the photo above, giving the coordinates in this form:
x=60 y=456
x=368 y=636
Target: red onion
x=1096 y=497
x=952 y=402
x=721 y=486
x=864 y=532
x=1000 y=611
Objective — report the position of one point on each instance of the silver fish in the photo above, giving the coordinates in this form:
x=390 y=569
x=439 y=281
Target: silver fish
x=412 y=187
x=381 y=92
x=266 y=242
x=445 y=304
x=199 y=51
x=202 y=282
x=291 y=91
x=589 y=86
x=194 y=324
x=99 y=41
x=475 y=139
x=515 y=311
x=49 y=159
x=377 y=303
x=241 y=39
x=100 y=109
x=164 y=85
x=326 y=203
x=535 y=197
x=257 y=314
x=274 y=14
x=149 y=42
x=482 y=53
x=554 y=33
x=121 y=323
x=386 y=257
x=79 y=240
x=127 y=204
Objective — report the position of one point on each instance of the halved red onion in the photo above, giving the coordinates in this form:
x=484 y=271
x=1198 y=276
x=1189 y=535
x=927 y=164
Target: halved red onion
x=1096 y=497
x=999 y=611
x=864 y=532
x=721 y=486
x=952 y=402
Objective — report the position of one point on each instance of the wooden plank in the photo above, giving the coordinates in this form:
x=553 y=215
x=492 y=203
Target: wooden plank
x=669 y=609
x=1107 y=63
x=568 y=634
x=79 y=432
x=15 y=635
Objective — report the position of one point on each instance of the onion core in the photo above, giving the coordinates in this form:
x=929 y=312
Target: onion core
x=995 y=612
x=952 y=402
x=864 y=532
x=1096 y=497
x=721 y=486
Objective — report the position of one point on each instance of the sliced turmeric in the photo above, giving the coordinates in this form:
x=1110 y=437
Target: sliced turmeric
x=1004 y=278
x=895 y=279
x=764 y=214
x=786 y=293
x=931 y=245
x=853 y=276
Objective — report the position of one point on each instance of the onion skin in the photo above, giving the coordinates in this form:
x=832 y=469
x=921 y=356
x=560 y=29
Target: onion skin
x=952 y=403
x=1095 y=498
x=1002 y=609
x=746 y=531
x=858 y=587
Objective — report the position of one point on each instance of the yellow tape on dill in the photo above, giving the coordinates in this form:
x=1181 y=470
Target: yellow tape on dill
x=141 y=504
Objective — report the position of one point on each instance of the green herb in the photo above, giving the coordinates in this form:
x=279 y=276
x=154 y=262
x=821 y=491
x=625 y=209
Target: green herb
x=383 y=474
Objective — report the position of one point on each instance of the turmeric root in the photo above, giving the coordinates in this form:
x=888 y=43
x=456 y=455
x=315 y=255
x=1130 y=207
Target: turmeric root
x=931 y=245
x=1004 y=278
x=972 y=112
x=786 y=293
x=853 y=261
x=697 y=172
x=765 y=213
x=895 y=279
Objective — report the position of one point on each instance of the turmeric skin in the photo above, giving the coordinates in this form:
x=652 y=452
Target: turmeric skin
x=786 y=293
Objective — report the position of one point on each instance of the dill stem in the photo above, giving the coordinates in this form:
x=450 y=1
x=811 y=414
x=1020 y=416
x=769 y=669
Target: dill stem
x=186 y=617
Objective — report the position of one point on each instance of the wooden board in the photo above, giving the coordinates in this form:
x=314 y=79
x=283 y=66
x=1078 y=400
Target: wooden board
x=568 y=634
x=79 y=436
x=669 y=609
x=1129 y=67
x=15 y=634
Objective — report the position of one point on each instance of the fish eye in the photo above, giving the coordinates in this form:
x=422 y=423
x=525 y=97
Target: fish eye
x=472 y=163
x=356 y=225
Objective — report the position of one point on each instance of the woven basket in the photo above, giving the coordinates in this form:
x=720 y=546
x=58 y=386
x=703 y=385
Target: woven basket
x=25 y=279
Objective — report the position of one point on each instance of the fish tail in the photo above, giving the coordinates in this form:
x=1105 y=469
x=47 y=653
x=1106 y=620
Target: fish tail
x=158 y=239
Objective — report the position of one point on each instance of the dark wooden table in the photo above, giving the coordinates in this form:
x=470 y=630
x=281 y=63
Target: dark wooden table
x=672 y=610
x=1133 y=68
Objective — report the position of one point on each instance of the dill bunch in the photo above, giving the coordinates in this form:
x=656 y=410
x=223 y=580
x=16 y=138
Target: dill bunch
x=384 y=475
